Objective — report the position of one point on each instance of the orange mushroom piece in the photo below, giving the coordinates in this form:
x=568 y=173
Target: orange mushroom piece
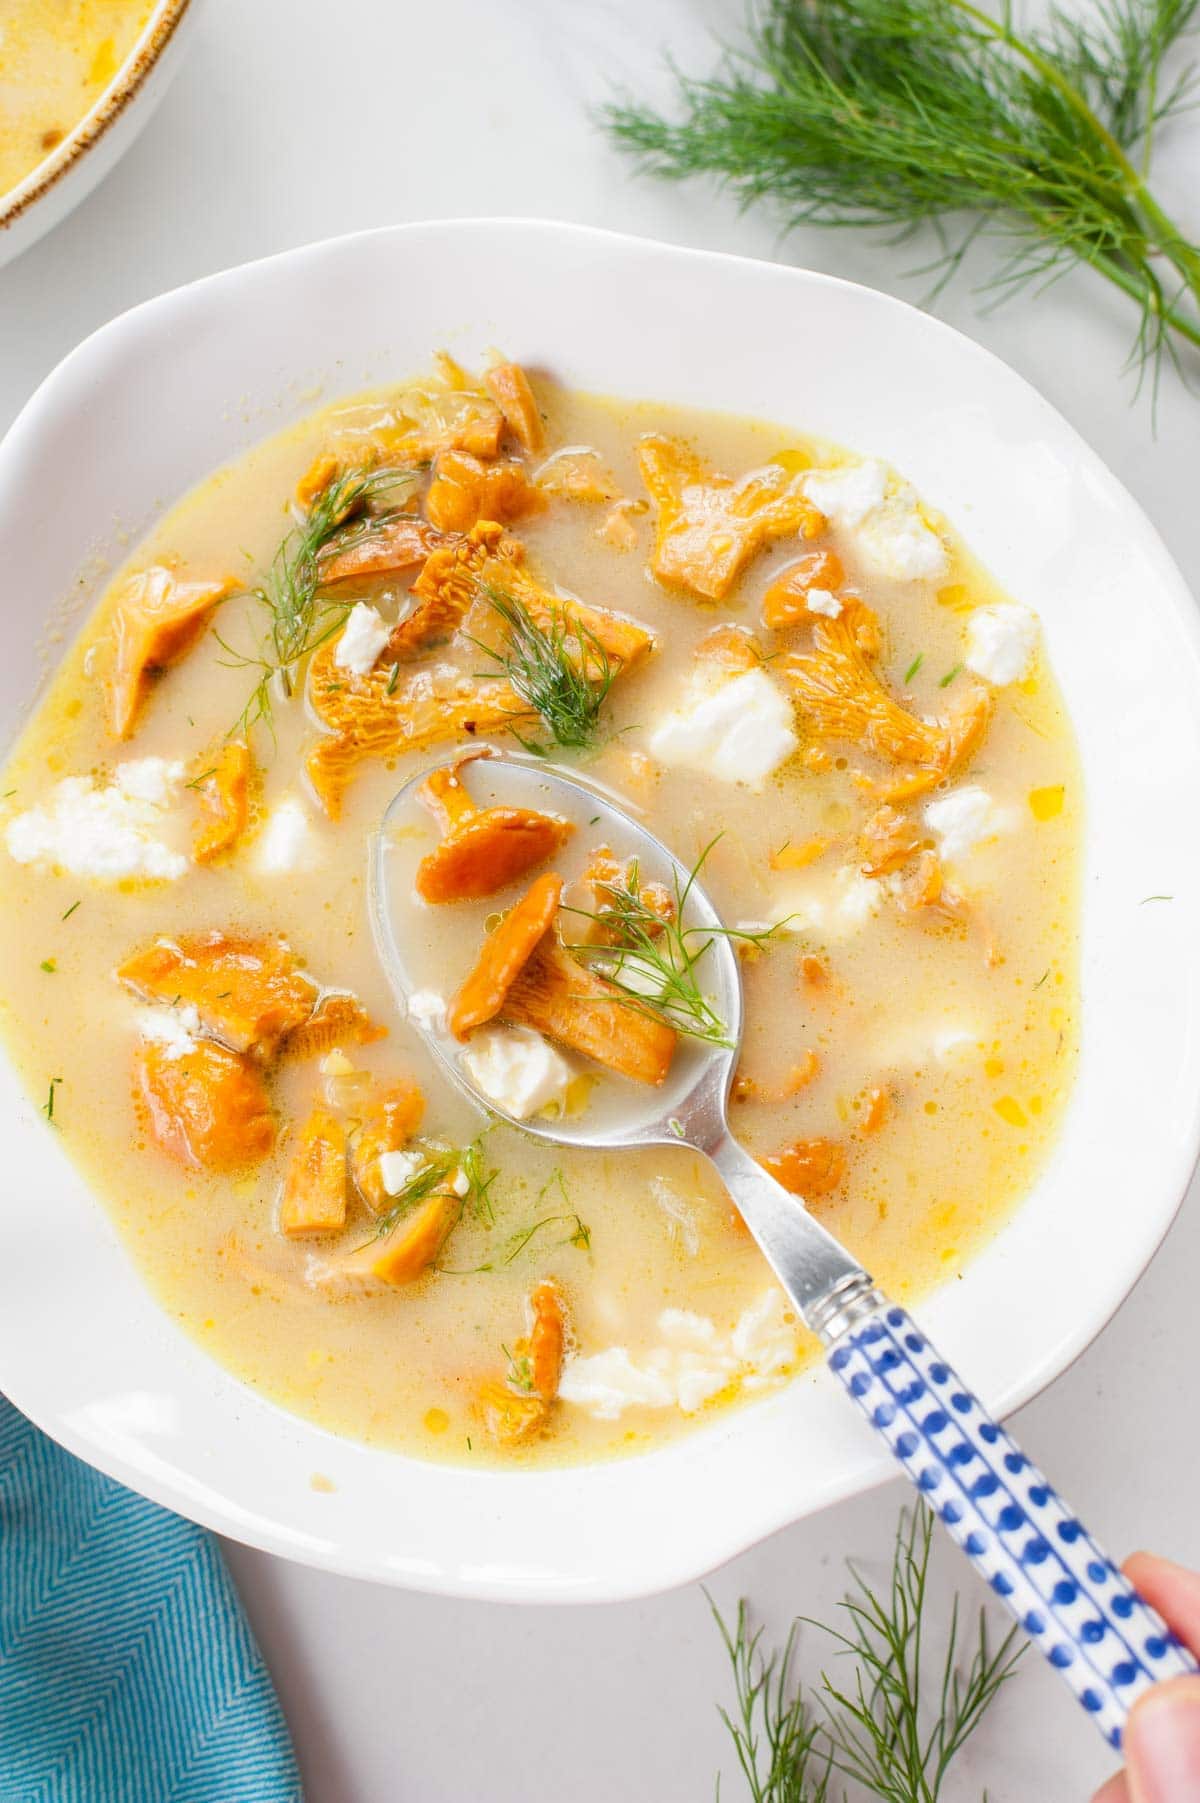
x=225 y=798
x=808 y=1167
x=888 y=841
x=482 y=849
x=339 y=1018
x=505 y=953
x=314 y=1189
x=603 y=880
x=711 y=525
x=207 y=1107
x=249 y=992
x=577 y=474
x=547 y=1339
x=786 y=600
x=509 y=387
x=387 y=1126
x=525 y=976
x=156 y=621
x=842 y=698
x=465 y=490
x=509 y=1415
x=399 y=543
x=396 y=1257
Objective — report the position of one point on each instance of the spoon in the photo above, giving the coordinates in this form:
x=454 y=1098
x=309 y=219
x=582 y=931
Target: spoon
x=1067 y=1594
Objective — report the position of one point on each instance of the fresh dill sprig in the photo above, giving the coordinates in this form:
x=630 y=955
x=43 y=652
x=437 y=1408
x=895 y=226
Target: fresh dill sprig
x=561 y=671
x=300 y=618
x=777 y=1739
x=897 y=1728
x=579 y=1235
x=655 y=960
x=906 y=113
x=883 y=1733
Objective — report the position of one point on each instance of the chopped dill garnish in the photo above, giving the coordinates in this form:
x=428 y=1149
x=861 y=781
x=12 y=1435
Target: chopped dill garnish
x=393 y=679
x=71 y=910
x=579 y=1236
x=1153 y=898
x=300 y=619
x=49 y=965
x=655 y=962
x=561 y=671
x=945 y=681
x=520 y=1372
x=1042 y=978
x=900 y=115
x=896 y=1726
x=202 y=778
x=8 y=795
x=594 y=819
x=48 y=1104
x=917 y=661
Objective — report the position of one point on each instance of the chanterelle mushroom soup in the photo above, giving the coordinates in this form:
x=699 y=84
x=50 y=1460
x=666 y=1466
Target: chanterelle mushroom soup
x=772 y=652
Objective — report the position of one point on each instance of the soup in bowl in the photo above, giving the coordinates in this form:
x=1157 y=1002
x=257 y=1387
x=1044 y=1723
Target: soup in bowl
x=819 y=655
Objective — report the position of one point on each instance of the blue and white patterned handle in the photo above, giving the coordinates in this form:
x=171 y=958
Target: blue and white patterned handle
x=1066 y=1593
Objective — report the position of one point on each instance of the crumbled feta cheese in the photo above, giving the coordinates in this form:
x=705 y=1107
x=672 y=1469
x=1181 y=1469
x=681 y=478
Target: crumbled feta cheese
x=823 y=601
x=174 y=1029
x=517 y=1069
x=460 y=1183
x=965 y=818
x=1001 y=642
x=848 y=494
x=428 y=1009
x=918 y=1043
x=287 y=841
x=108 y=831
x=889 y=531
x=738 y=733
x=363 y=638
x=694 y=1362
x=396 y=1169
x=845 y=907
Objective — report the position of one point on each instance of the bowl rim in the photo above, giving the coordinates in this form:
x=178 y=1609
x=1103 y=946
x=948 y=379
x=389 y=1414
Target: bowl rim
x=735 y=1535
x=126 y=84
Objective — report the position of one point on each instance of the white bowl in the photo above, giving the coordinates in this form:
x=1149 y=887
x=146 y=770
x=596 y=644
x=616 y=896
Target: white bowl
x=91 y=148
x=164 y=394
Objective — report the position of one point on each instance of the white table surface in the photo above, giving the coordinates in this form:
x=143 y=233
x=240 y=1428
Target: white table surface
x=298 y=119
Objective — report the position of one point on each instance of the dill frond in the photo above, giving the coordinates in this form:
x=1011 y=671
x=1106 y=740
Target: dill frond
x=656 y=962
x=300 y=618
x=897 y=1726
x=438 y=1175
x=561 y=671
x=900 y=114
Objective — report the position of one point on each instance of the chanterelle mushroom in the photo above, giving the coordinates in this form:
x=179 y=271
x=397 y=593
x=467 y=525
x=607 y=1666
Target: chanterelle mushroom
x=482 y=849
x=526 y=976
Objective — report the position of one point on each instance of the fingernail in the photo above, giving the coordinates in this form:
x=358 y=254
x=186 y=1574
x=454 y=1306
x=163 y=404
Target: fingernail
x=1162 y=1744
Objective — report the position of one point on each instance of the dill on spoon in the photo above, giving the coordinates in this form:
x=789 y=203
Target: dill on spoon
x=301 y=619
x=906 y=113
x=655 y=959
x=566 y=687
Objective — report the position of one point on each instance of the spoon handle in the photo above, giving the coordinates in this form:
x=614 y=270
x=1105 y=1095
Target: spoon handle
x=1066 y=1593
x=1035 y=1553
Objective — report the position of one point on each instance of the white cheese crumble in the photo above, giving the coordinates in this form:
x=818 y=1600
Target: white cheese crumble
x=1001 y=641
x=965 y=818
x=889 y=531
x=287 y=841
x=919 y=1043
x=110 y=831
x=396 y=1169
x=174 y=1029
x=428 y=1009
x=738 y=733
x=823 y=601
x=838 y=913
x=363 y=638
x=517 y=1069
x=694 y=1362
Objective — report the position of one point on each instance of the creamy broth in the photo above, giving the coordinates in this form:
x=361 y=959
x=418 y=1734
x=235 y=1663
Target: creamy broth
x=56 y=59
x=921 y=1048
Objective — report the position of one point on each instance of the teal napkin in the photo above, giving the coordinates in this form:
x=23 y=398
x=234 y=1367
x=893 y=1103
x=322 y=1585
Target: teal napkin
x=128 y=1672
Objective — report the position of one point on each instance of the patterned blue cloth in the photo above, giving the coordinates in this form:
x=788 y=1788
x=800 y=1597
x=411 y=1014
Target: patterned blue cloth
x=128 y=1672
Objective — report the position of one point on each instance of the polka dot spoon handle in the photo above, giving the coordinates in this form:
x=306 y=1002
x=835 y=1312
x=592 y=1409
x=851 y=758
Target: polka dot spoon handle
x=1065 y=1592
